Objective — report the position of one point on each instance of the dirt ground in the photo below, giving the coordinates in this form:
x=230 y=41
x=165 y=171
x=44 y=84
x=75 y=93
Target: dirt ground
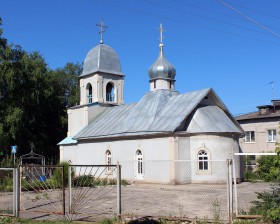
x=191 y=200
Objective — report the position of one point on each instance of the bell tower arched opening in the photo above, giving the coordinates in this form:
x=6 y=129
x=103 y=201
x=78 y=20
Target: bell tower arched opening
x=110 y=94
x=89 y=93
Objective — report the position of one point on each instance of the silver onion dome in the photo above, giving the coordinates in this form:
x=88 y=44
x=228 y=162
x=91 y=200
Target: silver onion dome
x=102 y=58
x=161 y=69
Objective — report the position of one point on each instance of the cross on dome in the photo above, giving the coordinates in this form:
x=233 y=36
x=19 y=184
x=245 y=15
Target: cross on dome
x=161 y=30
x=102 y=30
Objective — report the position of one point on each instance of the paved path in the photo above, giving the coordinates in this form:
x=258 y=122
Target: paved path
x=191 y=200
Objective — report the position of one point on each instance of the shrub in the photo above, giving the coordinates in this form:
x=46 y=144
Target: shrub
x=268 y=205
x=269 y=168
x=84 y=181
x=7 y=162
x=90 y=181
x=61 y=177
x=7 y=185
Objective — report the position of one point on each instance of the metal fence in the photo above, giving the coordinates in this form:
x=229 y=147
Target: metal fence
x=42 y=189
x=182 y=189
x=8 y=191
x=94 y=192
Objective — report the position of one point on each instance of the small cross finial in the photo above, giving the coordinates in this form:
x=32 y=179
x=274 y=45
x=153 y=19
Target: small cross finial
x=102 y=30
x=161 y=30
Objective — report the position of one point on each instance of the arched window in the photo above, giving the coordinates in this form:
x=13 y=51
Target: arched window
x=108 y=160
x=89 y=93
x=203 y=163
x=139 y=164
x=110 y=96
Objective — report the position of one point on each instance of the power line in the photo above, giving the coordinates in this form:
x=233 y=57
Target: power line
x=256 y=11
x=248 y=18
x=223 y=14
x=205 y=17
x=209 y=10
x=183 y=22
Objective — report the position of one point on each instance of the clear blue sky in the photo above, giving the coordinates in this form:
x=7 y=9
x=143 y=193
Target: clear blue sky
x=209 y=44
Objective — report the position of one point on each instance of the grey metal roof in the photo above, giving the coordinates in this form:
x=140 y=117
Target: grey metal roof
x=161 y=111
x=211 y=119
x=102 y=58
x=161 y=69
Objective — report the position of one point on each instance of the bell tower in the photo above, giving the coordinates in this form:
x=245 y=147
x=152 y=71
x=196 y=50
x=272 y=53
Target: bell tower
x=102 y=79
x=101 y=85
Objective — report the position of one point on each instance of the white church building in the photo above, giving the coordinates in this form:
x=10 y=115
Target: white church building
x=166 y=137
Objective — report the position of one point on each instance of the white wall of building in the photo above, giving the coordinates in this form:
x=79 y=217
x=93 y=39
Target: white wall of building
x=68 y=153
x=77 y=119
x=219 y=149
x=99 y=83
x=155 y=156
x=165 y=160
x=161 y=84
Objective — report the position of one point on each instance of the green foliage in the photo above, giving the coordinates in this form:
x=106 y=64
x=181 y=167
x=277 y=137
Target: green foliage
x=124 y=182
x=107 y=221
x=268 y=205
x=251 y=176
x=238 y=221
x=84 y=181
x=60 y=175
x=6 y=181
x=7 y=162
x=269 y=168
x=90 y=181
x=216 y=210
x=33 y=100
x=35 y=185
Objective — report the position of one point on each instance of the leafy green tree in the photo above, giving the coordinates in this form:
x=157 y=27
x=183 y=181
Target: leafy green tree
x=33 y=100
x=68 y=77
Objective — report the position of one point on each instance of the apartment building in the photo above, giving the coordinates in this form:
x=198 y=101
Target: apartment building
x=261 y=128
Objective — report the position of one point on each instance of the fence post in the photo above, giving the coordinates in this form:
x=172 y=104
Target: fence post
x=235 y=186
x=15 y=192
x=19 y=173
x=70 y=188
x=63 y=189
x=119 y=205
x=229 y=194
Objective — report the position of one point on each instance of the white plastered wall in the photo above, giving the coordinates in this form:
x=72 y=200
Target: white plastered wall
x=219 y=150
x=165 y=160
x=68 y=153
x=77 y=119
x=155 y=152
x=161 y=84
